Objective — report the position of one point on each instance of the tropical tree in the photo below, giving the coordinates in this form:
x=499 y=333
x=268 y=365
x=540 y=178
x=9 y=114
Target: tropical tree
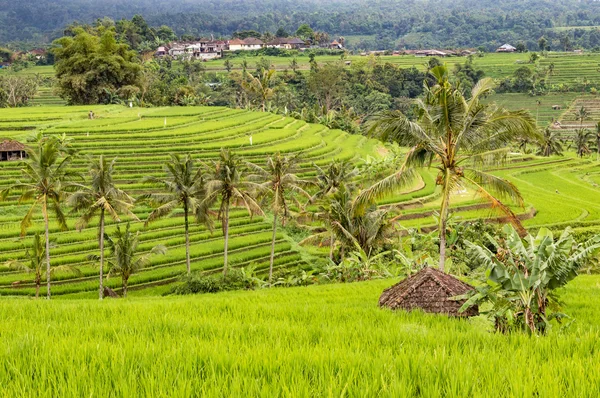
x=355 y=227
x=34 y=262
x=331 y=179
x=549 y=143
x=228 y=187
x=100 y=198
x=582 y=114
x=260 y=87
x=46 y=175
x=124 y=260
x=280 y=184
x=457 y=136
x=523 y=275
x=598 y=141
x=184 y=187
x=583 y=142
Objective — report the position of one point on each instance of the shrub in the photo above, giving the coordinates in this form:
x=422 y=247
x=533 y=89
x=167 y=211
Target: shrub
x=236 y=279
x=523 y=275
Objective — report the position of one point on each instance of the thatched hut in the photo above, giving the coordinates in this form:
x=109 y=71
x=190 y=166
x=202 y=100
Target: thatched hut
x=12 y=150
x=431 y=291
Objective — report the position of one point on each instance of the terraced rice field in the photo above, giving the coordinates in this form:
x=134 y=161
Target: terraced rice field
x=569 y=122
x=142 y=139
x=316 y=341
x=558 y=192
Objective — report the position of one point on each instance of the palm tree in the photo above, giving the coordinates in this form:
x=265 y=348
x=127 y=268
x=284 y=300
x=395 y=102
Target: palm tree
x=260 y=86
x=549 y=143
x=598 y=141
x=35 y=256
x=279 y=181
x=458 y=137
x=184 y=186
x=46 y=176
x=229 y=188
x=582 y=142
x=581 y=114
x=337 y=174
x=124 y=260
x=355 y=227
x=101 y=197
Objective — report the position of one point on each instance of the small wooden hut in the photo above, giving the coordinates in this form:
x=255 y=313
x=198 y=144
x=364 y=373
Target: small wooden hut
x=12 y=150
x=431 y=291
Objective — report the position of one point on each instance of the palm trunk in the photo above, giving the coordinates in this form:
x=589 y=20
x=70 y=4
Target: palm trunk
x=47 y=252
x=101 y=239
x=272 y=249
x=331 y=244
x=187 y=240
x=124 y=287
x=37 y=286
x=226 y=221
x=443 y=222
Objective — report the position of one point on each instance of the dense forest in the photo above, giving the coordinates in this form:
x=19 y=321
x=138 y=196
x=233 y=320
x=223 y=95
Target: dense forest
x=375 y=24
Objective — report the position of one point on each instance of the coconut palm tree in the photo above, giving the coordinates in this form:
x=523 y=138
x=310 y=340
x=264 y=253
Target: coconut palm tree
x=260 y=87
x=228 y=186
x=124 y=260
x=337 y=174
x=598 y=141
x=364 y=227
x=582 y=114
x=46 y=176
x=280 y=184
x=582 y=142
x=458 y=137
x=550 y=143
x=101 y=198
x=35 y=256
x=183 y=187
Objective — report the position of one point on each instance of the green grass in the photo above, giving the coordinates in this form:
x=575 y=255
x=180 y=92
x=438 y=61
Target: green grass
x=328 y=340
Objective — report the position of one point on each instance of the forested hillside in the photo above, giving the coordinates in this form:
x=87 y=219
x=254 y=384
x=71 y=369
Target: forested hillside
x=373 y=23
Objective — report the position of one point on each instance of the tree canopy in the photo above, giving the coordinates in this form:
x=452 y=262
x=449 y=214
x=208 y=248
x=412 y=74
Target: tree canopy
x=92 y=66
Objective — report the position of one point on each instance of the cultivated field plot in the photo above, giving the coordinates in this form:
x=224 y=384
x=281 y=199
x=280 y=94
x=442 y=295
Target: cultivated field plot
x=558 y=192
x=142 y=139
x=545 y=109
x=569 y=122
x=318 y=341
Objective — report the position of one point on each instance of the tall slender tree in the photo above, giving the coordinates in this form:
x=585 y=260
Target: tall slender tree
x=124 y=260
x=228 y=187
x=280 y=184
x=549 y=143
x=46 y=175
x=583 y=142
x=35 y=260
x=260 y=87
x=598 y=141
x=184 y=186
x=99 y=198
x=457 y=136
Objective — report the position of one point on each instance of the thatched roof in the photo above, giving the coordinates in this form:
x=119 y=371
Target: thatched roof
x=11 y=146
x=429 y=290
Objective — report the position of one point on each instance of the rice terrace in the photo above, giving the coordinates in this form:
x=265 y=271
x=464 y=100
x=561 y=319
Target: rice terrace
x=300 y=199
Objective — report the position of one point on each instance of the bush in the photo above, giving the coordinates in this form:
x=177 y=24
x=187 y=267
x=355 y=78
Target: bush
x=236 y=279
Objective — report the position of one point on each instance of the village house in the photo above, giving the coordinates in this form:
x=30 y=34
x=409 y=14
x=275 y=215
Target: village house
x=203 y=49
x=161 y=51
x=12 y=150
x=292 y=43
x=506 y=48
x=335 y=45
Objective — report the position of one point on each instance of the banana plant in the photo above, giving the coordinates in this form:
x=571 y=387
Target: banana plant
x=523 y=275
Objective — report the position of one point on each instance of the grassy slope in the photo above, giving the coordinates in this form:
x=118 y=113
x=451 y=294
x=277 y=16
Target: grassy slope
x=316 y=341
